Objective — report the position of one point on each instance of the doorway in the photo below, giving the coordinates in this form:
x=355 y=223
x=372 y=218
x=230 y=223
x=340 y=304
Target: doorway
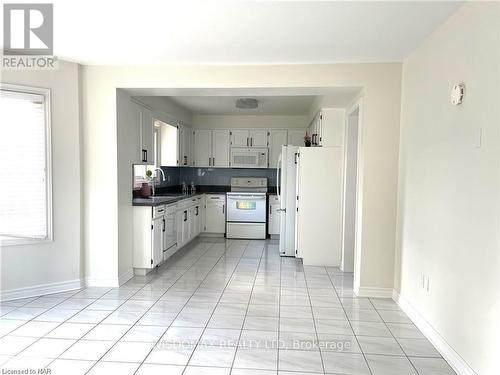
x=350 y=189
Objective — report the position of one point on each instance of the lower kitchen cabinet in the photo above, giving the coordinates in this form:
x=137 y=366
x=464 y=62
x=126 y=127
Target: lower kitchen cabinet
x=149 y=226
x=215 y=213
x=161 y=231
x=273 y=217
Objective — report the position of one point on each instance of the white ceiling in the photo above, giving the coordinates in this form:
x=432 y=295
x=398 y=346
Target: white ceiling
x=242 y=32
x=225 y=105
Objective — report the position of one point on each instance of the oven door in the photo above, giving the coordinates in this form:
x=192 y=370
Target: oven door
x=246 y=207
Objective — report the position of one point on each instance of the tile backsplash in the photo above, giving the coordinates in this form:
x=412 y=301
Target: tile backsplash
x=213 y=176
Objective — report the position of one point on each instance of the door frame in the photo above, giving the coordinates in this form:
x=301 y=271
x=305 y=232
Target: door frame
x=357 y=104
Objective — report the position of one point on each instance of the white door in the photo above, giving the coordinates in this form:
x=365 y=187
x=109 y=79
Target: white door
x=277 y=138
x=187 y=147
x=179 y=217
x=258 y=137
x=157 y=242
x=136 y=116
x=240 y=138
x=192 y=222
x=185 y=226
x=147 y=135
x=220 y=148
x=273 y=216
x=296 y=137
x=197 y=220
x=215 y=214
x=202 y=147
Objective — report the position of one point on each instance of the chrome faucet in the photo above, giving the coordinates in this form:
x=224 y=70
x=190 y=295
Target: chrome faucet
x=162 y=179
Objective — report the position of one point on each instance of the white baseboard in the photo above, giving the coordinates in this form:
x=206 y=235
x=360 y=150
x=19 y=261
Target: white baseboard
x=40 y=290
x=114 y=282
x=101 y=283
x=449 y=354
x=126 y=276
x=374 y=292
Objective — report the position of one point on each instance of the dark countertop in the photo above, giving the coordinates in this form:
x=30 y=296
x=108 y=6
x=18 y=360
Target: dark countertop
x=160 y=200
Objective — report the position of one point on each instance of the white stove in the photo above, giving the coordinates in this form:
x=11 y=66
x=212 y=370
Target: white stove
x=246 y=208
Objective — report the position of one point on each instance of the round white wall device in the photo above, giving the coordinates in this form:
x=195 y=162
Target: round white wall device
x=458 y=93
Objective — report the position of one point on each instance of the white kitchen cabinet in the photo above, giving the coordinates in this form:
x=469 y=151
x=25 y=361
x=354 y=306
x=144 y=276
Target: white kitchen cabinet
x=211 y=148
x=240 y=138
x=327 y=128
x=157 y=238
x=215 y=213
x=148 y=237
x=296 y=137
x=220 y=148
x=202 y=147
x=184 y=146
x=186 y=226
x=273 y=218
x=276 y=139
x=143 y=118
x=332 y=123
x=258 y=137
x=249 y=137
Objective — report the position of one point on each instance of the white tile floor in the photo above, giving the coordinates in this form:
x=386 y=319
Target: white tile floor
x=218 y=307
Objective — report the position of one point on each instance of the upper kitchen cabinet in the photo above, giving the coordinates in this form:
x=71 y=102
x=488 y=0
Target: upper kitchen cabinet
x=296 y=137
x=276 y=139
x=327 y=128
x=184 y=146
x=143 y=117
x=202 y=147
x=211 y=148
x=220 y=148
x=258 y=137
x=249 y=138
x=332 y=127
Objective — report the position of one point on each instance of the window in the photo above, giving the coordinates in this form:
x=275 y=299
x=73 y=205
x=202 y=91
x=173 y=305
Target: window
x=25 y=165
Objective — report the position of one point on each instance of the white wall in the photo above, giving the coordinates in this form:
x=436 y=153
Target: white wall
x=249 y=121
x=168 y=107
x=105 y=163
x=57 y=262
x=448 y=222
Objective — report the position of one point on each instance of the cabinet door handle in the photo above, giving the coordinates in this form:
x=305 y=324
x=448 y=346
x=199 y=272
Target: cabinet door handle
x=185 y=160
x=247 y=141
x=163 y=225
x=209 y=161
x=213 y=162
x=295 y=158
x=196 y=210
x=223 y=209
x=144 y=156
x=185 y=215
x=270 y=209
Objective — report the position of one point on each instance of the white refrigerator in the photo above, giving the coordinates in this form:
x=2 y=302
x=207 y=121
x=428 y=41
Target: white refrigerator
x=318 y=210
x=286 y=191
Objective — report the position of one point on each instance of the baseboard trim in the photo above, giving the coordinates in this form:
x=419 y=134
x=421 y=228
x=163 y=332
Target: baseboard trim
x=373 y=292
x=40 y=290
x=126 y=276
x=458 y=364
x=101 y=283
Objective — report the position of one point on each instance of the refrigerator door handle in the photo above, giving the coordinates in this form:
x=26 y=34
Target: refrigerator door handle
x=278 y=174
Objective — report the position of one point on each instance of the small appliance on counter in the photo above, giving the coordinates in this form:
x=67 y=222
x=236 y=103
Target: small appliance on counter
x=246 y=208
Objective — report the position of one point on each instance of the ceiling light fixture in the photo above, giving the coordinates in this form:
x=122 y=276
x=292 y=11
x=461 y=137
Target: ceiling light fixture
x=247 y=103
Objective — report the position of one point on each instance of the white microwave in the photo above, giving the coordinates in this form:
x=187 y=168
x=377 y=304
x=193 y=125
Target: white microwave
x=255 y=157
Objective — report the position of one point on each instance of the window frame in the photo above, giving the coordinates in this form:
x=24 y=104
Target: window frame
x=46 y=93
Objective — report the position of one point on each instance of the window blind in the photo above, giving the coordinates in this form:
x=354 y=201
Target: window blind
x=23 y=165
